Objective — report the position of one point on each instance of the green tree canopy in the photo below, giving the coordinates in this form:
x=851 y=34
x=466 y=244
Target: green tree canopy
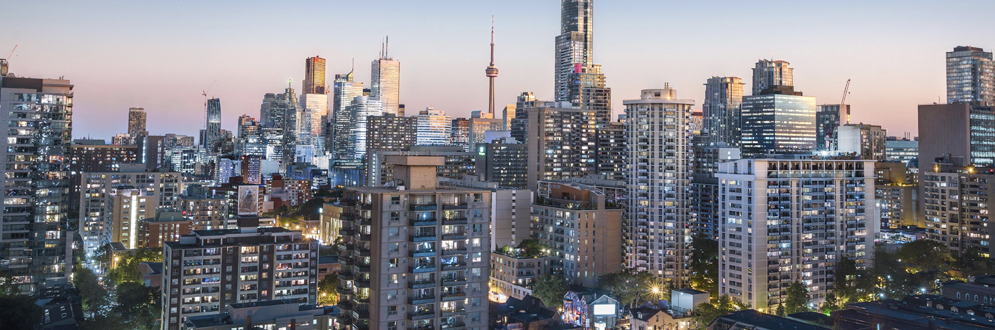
x=327 y=295
x=19 y=312
x=630 y=288
x=139 y=305
x=705 y=264
x=550 y=289
x=797 y=300
x=705 y=313
x=94 y=295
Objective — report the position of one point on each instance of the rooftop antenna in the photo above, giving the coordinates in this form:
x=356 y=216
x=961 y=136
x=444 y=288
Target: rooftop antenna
x=386 y=51
x=492 y=40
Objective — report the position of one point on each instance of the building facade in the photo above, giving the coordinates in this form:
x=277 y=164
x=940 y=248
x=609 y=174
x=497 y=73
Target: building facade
x=207 y=271
x=415 y=257
x=571 y=220
x=721 y=110
x=386 y=85
x=434 y=128
x=955 y=205
x=503 y=162
x=970 y=76
x=136 y=122
x=778 y=122
x=657 y=229
x=771 y=73
x=314 y=76
x=390 y=133
x=792 y=220
x=562 y=143
x=869 y=142
x=828 y=119
x=37 y=235
x=574 y=45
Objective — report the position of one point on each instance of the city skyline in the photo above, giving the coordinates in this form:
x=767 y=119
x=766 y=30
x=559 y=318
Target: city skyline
x=876 y=45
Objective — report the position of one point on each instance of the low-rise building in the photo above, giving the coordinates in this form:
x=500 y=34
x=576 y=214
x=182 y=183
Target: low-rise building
x=167 y=226
x=513 y=274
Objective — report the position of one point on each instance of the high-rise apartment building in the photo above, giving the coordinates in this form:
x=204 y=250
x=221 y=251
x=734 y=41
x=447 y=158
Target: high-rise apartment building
x=435 y=128
x=509 y=112
x=213 y=141
x=208 y=270
x=562 y=144
x=314 y=76
x=346 y=90
x=386 y=85
x=792 y=220
x=955 y=205
x=511 y=217
x=205 y=212
x=705 y=185
x=136 y=122
x=415 y=257
x=518 y=124
x=869 y=142
x=612 y=157
x=828 y=119
x=897 y=195
x=778 y=121
x=575 y=44
x=586 y=89
x=96 y=156
x=771 y=73
x=571 y=220
x=460 y=135
x=721 y=110
x=970 y=76
x=958 y=130
x=124 y=208
x=657 y=232
x=36 y=237
x=292 y=129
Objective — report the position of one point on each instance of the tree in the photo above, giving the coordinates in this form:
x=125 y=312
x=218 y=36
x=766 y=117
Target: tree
x=532 y=248
x=705 y=313
x=8 y=285
x=126 y=269
x=705 y=264
x=797 y=299
x=550 y=289
x=19 y=312
x=630 y=288
x=327 y=296
x=925 y=255
x=832 y=303
x=103 y=322
x=93 y=294
x=142 y=305
x=972 y=263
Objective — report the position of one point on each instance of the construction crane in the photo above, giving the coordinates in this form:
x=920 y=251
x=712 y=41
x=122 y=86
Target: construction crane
x=846 y=92
x=4 y=65
x=11 y=52
x=209 y=88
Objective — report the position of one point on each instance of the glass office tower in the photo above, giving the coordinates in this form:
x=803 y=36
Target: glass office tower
x=778 y=124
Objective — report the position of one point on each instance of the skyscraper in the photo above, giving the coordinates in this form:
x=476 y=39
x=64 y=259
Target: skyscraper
x=390 y=132
x=213 y=142
x=434 y=128
x=575 y=44
x=346 y=90
x=362 y=108
x=386 y=83
x=314 y=79
x=778 y=121
x=36 y=234
x=136 y=123
x=491 y=72
x=562 y=144
x=657 y=231
x=291 y=128
x=586 y=89
x=770 y=73
x=829 y=118
x=722 y=109
x=775 y=232
x=460 y=133
x=480 y=124
x=419 y=260
x=970 y=76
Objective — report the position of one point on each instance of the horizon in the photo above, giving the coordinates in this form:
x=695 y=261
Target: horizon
x=161 y=56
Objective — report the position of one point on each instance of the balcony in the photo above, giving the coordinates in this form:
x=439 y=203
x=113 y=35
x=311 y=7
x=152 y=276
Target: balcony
x=454 y=325
x=421 y=284
x=422 y=269
x=423 y=299
x=424 y=207
x=454 y=206
x=426 y=222
x=346 y=232
x=342 y=290
x=454 y=281
x=450 y=252
x=455 y=266
x=454 y=236
x=456 y=221
x=345 y=275
x=365 y=237
x=422 y=238
x=422 y=315
x=422 y=253
x=453 y=312
x=453 y=296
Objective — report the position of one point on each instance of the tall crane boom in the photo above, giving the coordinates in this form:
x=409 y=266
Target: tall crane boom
x=209 y=88
x=846 y=92
x=11 y=52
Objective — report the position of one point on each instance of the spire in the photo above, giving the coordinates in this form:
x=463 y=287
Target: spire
x=492 y=40
x=386 y=51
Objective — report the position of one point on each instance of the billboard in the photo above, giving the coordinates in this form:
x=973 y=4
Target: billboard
x=604 y=309
x=248 y=200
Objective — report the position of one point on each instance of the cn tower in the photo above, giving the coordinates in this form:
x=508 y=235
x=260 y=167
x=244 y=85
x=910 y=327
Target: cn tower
x=492 y=71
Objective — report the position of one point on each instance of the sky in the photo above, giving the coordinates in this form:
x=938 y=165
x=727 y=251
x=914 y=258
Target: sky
x=161 y=55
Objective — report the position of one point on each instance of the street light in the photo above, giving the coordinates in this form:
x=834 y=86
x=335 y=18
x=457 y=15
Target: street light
x=656 y=290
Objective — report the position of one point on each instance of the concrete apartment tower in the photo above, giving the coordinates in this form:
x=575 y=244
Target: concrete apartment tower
x=414 y=254
x=136 y=123
x=657 y=233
